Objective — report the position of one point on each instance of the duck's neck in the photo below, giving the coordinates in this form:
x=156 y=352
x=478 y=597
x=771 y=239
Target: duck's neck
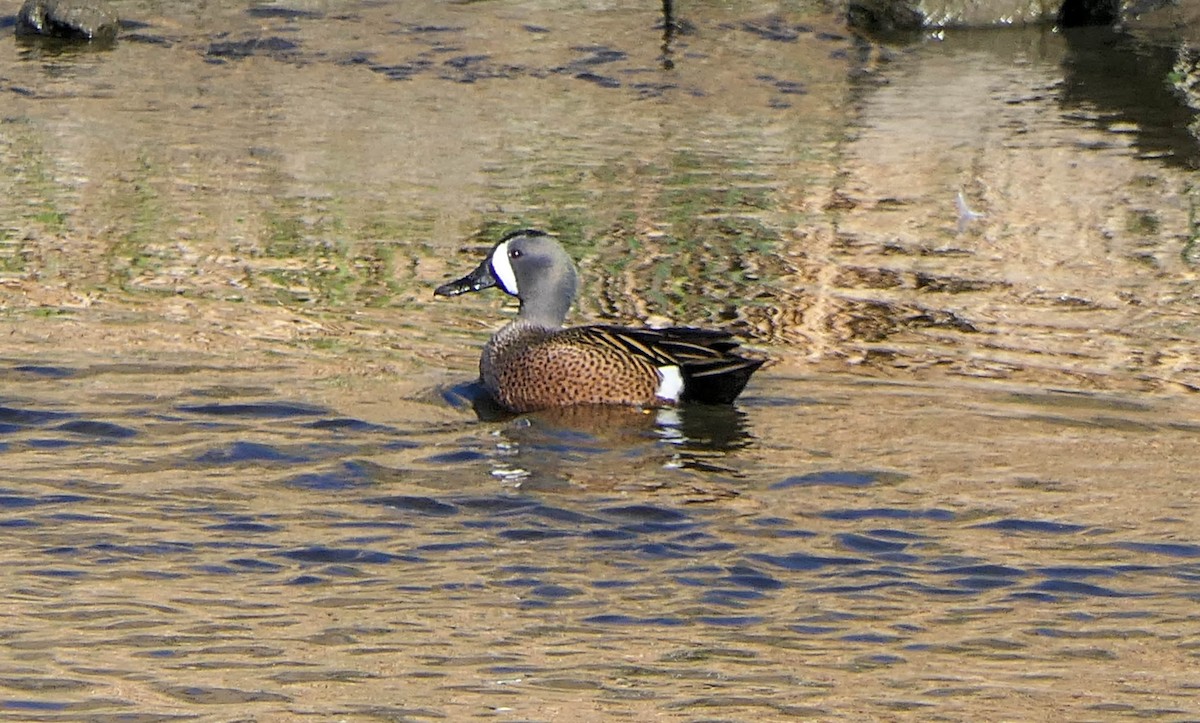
x=542 y=316
x=546 y=303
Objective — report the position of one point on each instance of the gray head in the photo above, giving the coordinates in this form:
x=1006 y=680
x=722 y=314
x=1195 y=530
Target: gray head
x=530 y=265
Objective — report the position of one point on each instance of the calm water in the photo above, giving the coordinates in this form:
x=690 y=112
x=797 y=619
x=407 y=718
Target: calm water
x=243 y=479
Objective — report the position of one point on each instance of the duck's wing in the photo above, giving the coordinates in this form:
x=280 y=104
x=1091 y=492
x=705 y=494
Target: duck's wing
x=712 y=372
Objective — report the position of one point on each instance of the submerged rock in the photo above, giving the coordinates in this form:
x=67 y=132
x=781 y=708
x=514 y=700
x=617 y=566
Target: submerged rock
x=915 y=15
x=68 y=19
x=273 y=46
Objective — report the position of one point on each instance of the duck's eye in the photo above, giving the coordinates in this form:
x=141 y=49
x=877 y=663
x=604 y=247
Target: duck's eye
x=514 y=253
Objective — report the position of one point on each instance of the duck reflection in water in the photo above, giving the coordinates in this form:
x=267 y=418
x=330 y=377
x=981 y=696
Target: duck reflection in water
x=609 y=439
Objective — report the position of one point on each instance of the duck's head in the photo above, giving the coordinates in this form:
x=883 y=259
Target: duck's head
x=530 y=265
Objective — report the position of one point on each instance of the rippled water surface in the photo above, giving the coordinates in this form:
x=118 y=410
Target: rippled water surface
x=204 y=540
x=243 y=478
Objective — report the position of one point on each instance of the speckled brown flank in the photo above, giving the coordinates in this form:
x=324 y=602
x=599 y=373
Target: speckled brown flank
x=527 y=367
x=536 y=369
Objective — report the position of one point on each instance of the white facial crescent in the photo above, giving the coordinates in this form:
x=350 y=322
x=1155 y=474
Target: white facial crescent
x=503 y=270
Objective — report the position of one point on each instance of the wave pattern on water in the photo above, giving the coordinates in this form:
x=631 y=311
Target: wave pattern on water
x=293 y=549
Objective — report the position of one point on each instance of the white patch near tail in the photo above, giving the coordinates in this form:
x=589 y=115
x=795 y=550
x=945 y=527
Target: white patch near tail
x=670 y=383
x=503 y=270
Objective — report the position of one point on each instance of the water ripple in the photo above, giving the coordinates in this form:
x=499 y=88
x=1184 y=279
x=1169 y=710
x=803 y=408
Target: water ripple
x=301 y=542
x=1049 y=527
x=260 y=410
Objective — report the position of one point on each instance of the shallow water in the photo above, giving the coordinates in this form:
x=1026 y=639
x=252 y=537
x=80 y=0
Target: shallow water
x=244 y=479
x=205 y=541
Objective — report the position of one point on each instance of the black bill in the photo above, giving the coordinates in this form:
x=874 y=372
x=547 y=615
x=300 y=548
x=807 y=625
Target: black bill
x=481 y=278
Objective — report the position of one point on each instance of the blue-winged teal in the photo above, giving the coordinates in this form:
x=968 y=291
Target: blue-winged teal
x=534 y=363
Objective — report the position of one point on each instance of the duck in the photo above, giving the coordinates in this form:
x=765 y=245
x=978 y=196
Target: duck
x=535 y=363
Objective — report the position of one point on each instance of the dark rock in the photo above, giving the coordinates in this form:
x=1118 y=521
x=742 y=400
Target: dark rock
x=147 y=39
x=238 y=49
x=68 y=19
x=884 y=16
x=889 y=17
x=1080 y=13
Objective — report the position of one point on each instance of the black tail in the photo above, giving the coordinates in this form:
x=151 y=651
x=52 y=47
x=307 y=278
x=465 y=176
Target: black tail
x=712 y=372
x=718 y=382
